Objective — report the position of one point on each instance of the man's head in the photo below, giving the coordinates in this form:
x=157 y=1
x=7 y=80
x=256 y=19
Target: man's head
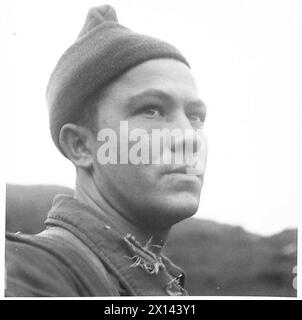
x=159 y=93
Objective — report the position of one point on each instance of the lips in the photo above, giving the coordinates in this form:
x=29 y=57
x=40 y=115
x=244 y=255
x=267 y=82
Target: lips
x=187 y=170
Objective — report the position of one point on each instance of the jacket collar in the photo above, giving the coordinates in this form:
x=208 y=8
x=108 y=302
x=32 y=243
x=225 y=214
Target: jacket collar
x=139 y=271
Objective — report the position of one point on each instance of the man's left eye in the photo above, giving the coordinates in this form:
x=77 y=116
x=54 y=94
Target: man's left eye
x=195 y=118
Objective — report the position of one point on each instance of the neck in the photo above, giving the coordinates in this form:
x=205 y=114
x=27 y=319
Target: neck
x=88 y=193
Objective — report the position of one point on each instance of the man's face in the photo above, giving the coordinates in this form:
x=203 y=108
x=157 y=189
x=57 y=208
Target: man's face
x=157 y=94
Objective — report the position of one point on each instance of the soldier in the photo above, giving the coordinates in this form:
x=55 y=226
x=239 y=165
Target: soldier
x=107 y=239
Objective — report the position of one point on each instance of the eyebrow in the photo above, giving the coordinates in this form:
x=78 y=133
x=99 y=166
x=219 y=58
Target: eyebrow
x=163 y=96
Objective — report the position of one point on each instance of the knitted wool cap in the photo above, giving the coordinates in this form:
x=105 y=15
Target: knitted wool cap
x=102 y=52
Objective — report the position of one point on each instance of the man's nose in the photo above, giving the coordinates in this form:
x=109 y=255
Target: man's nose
x=188 y=137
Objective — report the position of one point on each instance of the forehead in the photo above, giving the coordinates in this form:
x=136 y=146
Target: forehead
x=166 y=75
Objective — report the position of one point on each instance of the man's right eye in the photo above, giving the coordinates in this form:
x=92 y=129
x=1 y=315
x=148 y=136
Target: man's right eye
x=151 y=111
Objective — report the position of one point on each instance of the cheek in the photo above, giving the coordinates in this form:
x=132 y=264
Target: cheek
x=132 y=182
x=141 y=179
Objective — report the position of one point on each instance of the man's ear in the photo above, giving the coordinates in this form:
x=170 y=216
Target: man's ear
x=77 y=144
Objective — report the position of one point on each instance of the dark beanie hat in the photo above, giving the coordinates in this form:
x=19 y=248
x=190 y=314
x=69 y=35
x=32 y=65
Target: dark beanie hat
x=103 y=51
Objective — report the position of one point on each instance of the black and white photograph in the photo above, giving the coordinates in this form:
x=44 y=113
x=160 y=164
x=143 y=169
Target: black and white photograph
x=154 y=149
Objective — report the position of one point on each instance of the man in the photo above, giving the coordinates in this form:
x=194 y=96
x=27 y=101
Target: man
x=107 y=239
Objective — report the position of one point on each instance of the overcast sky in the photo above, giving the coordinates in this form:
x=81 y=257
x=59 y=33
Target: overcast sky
x=244 y=56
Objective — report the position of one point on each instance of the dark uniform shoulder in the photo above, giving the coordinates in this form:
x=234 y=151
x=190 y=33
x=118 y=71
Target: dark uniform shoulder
x=33 y=270
x=40 y=266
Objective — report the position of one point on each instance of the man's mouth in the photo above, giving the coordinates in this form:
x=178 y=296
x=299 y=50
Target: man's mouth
x=185 y=169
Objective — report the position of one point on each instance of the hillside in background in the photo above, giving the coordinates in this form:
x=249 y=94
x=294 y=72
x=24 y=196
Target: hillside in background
x=225 y=260
x=218 y=259
x=27 y=206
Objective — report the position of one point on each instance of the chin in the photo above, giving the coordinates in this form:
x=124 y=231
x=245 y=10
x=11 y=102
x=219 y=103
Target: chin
x=184 y=206
x=174 y=209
